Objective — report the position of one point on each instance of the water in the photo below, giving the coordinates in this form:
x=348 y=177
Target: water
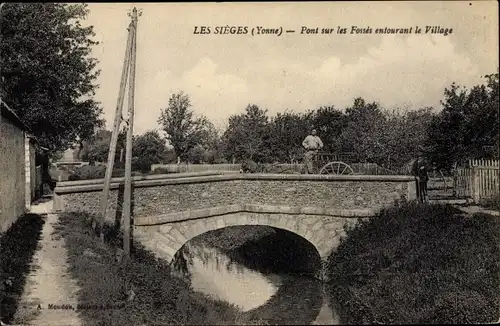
x=261 y=297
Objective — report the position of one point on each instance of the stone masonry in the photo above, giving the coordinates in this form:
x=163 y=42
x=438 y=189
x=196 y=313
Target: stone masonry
x=169 y=210
x=322 y=229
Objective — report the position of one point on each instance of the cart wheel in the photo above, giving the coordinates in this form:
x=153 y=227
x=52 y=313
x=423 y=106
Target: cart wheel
x=336 y=168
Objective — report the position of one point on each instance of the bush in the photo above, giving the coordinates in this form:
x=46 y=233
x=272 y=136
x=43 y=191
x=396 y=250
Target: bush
x=249 y=166
x=162 y=171
x=414 y=264
x=90 y=172
x=143 y=163
x=493 y=202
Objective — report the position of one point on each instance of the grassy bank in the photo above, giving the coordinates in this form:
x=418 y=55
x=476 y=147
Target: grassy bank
x=17 y=248
x=491 y=203
x=419 y=264
x=158 y=297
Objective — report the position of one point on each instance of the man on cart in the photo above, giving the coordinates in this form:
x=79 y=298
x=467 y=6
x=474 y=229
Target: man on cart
x=312 y=143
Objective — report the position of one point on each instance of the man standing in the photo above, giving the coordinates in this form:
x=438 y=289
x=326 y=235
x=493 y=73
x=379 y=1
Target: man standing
x=312 y=144
x=420 y=169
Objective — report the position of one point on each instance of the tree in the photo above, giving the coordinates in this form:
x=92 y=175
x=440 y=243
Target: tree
x=183 y=130
x=467 y=127
x=329 y=122
x=247 y=134
x=96 y=148
x=363 y=132
x=403 y=134
x=196 y=155
x=288 y=130
x=48 y=74
x=148 y=149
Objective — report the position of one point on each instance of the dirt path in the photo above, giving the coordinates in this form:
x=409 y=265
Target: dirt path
x=49 y=285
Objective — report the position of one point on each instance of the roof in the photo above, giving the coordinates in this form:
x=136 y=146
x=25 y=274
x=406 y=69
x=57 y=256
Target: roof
x=8 y=113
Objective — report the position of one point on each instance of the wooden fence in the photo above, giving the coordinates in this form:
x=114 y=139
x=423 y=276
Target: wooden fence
x=478 y=179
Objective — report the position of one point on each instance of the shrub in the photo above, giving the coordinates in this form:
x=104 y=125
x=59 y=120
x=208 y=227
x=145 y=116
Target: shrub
x=161 y=171
x=249 y=166
x=493 y=202
x=143 y=163
x=415 y=263
x=90 y=172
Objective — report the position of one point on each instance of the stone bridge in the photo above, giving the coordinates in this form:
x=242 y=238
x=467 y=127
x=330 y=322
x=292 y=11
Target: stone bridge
x=169 y=210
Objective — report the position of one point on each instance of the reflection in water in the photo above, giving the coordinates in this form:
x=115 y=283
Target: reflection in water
x=263 y=298
x=235 y=284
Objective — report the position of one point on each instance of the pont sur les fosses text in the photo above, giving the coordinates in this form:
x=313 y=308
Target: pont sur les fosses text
x=320 y=30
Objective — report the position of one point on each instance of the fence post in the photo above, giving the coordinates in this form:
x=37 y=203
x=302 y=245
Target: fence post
x=475 y=185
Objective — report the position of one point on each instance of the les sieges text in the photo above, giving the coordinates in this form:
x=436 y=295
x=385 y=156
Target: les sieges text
x=305 y=30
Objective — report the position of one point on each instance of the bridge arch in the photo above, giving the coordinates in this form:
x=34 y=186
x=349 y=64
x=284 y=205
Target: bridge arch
x=322 y=232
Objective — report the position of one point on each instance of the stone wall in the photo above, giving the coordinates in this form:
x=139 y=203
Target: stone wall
x=158 y=197
x=12 y=173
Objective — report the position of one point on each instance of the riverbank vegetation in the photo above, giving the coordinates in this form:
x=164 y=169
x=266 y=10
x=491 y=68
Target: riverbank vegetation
x=419 y=264
x=141 y=293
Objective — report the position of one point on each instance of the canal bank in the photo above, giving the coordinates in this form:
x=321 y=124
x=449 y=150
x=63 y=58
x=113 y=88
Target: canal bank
x=143 y=292
x=419 y=264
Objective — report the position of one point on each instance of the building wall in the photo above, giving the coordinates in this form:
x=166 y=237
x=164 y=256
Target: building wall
x=12 y=173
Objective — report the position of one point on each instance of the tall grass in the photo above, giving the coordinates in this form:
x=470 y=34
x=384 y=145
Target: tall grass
x=419 y=264
x=160 y=298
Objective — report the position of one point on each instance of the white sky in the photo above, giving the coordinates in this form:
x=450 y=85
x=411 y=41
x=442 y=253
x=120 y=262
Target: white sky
x=224 y=73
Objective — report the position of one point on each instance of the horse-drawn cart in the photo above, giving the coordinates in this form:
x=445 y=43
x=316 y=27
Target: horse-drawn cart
x=331 y=163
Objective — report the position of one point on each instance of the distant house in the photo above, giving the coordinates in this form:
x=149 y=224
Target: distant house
x=68 y=156
x=19 y=179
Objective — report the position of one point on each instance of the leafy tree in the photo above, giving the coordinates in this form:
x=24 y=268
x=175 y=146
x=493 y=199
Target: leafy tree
x=467 y=127
x=183 y=130
x=403 y=134
x=329 y=122
x=48 y=74
x=96 y=148
x=364 y=128
x=287 y=131
x=247 y=135
x=196 y=154
x=148 y=149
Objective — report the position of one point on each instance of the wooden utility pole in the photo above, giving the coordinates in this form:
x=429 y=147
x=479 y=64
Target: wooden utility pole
x=114 y=136
x=127 y=196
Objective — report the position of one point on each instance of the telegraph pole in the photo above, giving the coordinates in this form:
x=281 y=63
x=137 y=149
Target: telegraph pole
x=127 y=197
x=114 y=136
